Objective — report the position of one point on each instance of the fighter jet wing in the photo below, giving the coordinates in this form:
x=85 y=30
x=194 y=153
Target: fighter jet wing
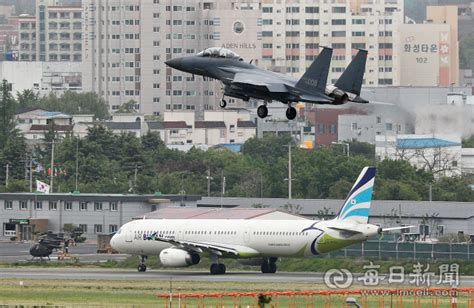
x=200 y=247
x=259 y=81
x=311 y=98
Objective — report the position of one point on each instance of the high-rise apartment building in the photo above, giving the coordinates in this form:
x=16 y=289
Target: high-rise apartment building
x=54 y=34
x=126 y=44
x=293 y=32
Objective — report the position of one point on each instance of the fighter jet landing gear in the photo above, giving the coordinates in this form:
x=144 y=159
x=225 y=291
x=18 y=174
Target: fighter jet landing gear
x=262 y=111
x=269 y=266
x=217 y=269
x=290 y=113
x=223 y=103
x=142 y=265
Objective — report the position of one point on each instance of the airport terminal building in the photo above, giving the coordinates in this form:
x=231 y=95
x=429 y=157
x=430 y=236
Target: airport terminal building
x=22 y=215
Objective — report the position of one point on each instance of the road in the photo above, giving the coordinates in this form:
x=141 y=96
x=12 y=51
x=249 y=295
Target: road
x=184 y=275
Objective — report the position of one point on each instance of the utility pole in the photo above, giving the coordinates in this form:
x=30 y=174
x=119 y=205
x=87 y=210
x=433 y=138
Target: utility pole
x=223 y=189
x=6 y=177
x=31 y=173
x=52 y=168
x=135 y=179
x=209 y=179
x=289 y=171
x=431 y=192
x=77 y=161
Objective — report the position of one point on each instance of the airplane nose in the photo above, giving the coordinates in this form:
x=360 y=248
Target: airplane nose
x=113 y=241
x=175 y=63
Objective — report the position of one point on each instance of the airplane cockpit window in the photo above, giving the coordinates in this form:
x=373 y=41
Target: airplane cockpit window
x=119 y=231
x=217 y=52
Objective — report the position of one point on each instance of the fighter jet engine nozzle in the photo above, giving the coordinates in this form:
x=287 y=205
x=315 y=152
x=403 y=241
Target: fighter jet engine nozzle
x=340 y=97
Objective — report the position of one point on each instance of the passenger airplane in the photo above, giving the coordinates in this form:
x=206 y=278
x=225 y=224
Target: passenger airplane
x=180 y=242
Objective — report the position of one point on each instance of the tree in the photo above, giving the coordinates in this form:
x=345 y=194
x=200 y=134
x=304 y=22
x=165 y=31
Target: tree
x=362 y=148
x=70 y=103
x=468 y=142
x=128 y=107
x=466 y=52
x=27 y=98
x=13 y=147
x=395 y=190
x=7 y=112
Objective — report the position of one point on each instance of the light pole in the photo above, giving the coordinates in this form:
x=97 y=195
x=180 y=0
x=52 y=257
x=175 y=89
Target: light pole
x=209 y=178
x=289 y=179
x=343 y=143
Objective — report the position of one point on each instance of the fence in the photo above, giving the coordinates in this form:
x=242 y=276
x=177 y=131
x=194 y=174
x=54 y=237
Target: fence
x=395 y=298
x=416 y=250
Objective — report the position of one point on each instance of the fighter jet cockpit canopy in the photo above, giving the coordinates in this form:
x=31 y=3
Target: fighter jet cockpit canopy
x=218 y=52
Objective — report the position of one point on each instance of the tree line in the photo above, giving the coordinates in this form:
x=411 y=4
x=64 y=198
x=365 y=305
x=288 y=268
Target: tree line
x=124 y=163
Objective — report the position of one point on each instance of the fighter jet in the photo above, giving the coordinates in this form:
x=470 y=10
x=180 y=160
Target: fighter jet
x=244 y=81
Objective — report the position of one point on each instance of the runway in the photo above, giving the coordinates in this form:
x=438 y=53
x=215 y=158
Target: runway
x=183 y=275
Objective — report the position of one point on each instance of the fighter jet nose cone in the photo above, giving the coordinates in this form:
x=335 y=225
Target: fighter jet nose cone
x=174 y=63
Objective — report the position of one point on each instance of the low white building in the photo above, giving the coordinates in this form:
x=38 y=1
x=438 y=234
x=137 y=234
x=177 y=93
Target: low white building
x=210 y=132
x=172 y=132
x=35 y=123
x=438 y=154
x=467 y=160
x=42 y=77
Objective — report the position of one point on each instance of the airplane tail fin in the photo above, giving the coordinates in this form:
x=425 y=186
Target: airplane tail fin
x=357 y=204
x=352 y=78
x=315 y=78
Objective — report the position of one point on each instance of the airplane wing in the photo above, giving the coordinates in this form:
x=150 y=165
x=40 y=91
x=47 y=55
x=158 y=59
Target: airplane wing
x=259 y=81
x=200 y=247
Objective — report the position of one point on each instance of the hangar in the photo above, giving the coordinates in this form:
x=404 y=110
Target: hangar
x=24 y=214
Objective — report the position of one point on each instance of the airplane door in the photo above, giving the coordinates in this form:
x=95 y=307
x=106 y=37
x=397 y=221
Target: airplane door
x=247 y=235
x=129 y=236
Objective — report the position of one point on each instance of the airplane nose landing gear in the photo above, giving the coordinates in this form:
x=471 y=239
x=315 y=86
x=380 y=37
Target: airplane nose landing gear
x=142 y=265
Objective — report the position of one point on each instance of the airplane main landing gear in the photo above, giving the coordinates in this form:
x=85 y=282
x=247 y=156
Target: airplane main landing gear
x=269 y=266
x=291 y=113
x=217 y=269
x=142 y=265
x=262 y=111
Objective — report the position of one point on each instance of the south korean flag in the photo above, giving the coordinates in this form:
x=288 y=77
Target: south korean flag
x=42 y=187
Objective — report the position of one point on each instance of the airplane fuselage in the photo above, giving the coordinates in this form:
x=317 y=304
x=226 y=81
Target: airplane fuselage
x=251 y=238
x=225 y=69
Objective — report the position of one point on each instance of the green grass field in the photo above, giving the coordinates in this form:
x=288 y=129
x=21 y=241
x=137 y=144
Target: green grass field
x=142 y=293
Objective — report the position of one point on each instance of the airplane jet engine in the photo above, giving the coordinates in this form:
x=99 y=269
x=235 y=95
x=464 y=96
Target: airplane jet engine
x=340 y=96
x=173 y=257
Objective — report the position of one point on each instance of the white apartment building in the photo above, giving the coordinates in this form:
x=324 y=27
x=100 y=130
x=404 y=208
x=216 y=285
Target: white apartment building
x=293 y=32
x=54 y=34
x=27 y=38
x=126 y=44
x=42 y=77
